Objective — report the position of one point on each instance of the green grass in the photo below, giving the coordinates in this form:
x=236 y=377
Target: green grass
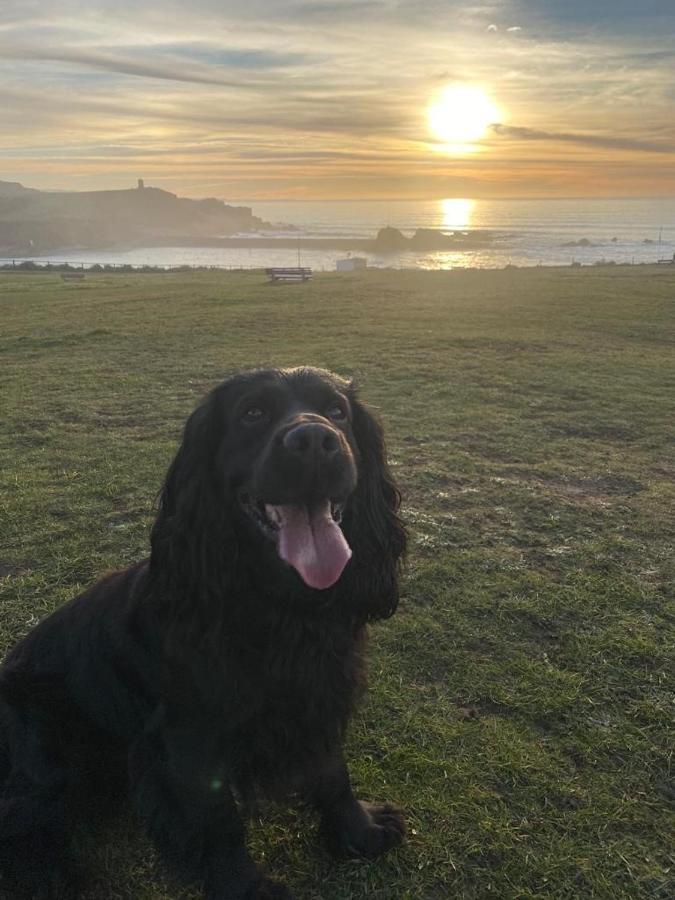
x=522 y=698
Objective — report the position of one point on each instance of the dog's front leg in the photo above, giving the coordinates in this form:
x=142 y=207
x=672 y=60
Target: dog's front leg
x=349 y=826
x=182 y=794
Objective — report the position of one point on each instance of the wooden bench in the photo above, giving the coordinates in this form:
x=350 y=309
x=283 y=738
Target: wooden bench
x=297 y=274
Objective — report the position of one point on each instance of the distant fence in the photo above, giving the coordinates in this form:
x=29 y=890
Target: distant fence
x=32 y=265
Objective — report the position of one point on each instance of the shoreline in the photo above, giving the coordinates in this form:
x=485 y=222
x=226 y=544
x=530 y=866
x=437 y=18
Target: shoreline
x=430 y=241
x=33 y=265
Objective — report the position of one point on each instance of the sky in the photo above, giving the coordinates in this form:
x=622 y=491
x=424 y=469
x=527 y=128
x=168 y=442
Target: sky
x=324 y=99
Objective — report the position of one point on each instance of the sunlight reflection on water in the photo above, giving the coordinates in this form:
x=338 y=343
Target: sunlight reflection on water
x=457 y=212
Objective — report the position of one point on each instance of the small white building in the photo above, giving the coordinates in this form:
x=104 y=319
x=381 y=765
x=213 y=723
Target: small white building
x=351 y=264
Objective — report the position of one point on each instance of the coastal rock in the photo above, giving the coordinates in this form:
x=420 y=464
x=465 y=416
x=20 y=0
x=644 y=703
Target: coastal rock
x=582 y=242
x=389 y=239
x=429 y=240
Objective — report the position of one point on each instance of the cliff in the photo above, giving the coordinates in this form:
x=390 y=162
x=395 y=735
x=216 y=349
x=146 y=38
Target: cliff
x=39 y=221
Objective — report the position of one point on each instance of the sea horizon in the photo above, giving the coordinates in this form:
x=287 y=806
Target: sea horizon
x=522 y=232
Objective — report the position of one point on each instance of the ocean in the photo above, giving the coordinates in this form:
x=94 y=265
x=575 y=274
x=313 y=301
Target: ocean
x=524 y=233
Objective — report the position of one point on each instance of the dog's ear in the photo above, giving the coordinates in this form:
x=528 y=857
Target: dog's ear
x=375 y=531
x=187 y=486
x=190 y=531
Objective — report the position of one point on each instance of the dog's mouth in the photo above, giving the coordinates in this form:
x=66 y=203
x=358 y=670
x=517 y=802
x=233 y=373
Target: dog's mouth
x=308 y=537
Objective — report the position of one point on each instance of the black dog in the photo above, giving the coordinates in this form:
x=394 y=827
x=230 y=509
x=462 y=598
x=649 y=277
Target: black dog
x=227 y=665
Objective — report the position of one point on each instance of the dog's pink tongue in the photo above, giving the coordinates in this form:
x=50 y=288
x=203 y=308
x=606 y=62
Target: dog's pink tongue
x=312 y=542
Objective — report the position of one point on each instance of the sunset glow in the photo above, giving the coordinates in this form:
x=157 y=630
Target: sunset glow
x=299 y=99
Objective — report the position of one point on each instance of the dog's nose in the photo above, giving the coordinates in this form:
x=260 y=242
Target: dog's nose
x=311 y=439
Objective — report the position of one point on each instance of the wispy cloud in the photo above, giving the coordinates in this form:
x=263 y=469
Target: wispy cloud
x=122 y=64
x=588 y=140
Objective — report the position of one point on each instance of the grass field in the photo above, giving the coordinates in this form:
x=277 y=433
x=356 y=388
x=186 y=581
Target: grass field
x=521 y=701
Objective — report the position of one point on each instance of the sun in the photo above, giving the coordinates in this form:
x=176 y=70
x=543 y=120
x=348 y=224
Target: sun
x=460 y=115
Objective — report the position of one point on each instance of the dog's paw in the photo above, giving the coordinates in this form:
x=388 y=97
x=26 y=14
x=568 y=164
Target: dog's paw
x=371 y=832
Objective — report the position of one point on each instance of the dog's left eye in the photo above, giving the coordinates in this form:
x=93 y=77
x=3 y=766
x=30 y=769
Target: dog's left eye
x=253 y=416
x=337 y=413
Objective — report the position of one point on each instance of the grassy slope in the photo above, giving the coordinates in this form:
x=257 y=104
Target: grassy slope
x=520 y=704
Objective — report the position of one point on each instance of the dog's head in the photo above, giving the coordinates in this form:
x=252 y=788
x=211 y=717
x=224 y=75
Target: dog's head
x=284 y=470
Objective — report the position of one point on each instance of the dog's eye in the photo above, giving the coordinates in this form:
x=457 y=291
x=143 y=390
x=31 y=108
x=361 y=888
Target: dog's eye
x=253 y=416
x=337 y=413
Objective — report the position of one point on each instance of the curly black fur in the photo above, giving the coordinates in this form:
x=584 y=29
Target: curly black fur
x=211 y=673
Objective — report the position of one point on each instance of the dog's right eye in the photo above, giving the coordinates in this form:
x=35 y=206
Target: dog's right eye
x=253 y=416
x=337 y=413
